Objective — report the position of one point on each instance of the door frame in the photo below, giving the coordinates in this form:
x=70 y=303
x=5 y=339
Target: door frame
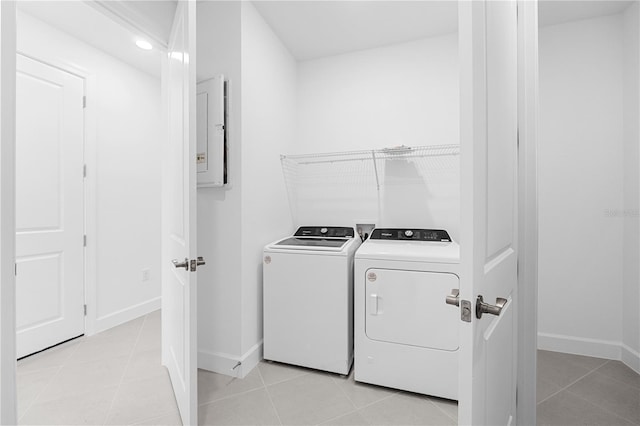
x=8 y=390
x=527 y=231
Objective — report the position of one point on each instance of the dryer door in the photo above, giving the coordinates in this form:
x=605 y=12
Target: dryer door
x=406 y=307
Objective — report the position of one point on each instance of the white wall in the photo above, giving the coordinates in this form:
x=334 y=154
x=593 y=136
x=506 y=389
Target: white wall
x=268 y=130
x=403 y=94
x=581 y=187
x=122 y=129
x=631 y=150
x=219 y=225
x=235 y=222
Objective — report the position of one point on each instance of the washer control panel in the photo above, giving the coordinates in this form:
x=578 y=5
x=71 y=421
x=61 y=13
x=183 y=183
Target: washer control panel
x=439 y=235
x=325 y=231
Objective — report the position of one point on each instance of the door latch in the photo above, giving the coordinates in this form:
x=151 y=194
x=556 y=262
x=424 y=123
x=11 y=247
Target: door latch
x=465 y=310
x=197 y=262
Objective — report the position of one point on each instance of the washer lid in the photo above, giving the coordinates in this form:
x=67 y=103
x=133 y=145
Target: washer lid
x=410 y=251
x=336 y=239
x=312 y=242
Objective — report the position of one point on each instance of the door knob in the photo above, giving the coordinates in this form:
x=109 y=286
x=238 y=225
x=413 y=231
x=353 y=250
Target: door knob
x=178 y=264
x=453 y=298
x=485 y=308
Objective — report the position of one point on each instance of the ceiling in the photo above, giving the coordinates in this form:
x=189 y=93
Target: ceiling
x=314 y=29
x=112 y=26
x=552 y=12
x=309 y=29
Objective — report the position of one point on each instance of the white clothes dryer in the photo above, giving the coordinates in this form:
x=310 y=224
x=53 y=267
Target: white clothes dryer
x=308 y=298
x=406 y=336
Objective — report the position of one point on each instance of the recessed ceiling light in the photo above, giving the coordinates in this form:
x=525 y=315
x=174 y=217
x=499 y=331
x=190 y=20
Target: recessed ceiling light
x=144 y=44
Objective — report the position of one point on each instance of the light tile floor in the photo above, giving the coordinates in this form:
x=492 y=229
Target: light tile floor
x=115 y=377
x=580 y=390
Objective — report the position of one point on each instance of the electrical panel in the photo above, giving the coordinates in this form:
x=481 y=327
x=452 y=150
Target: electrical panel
x=211 y=145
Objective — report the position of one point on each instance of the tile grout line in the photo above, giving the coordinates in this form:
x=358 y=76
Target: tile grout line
x=380 y=400
x=613 y=378
x=365 y=406
x=564 y=388
x=601 y=407
x=355 y=407
x=126 y=367
x=60 y=367
x=441 y=410
x=41 y=392
x=572 y=383
x=275 y=409
x=303 y=372
x=153 y=418
x=224 y=398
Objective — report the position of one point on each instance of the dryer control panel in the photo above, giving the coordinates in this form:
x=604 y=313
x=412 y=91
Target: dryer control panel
x=439 y=235
x=325 y=231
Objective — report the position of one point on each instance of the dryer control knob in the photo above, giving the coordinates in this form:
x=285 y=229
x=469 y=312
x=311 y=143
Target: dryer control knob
x=408 y=233
x=323 y=230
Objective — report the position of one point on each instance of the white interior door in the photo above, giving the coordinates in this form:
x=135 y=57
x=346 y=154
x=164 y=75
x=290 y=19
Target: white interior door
x=179 y=316
x=49 y=206
x=489 y=141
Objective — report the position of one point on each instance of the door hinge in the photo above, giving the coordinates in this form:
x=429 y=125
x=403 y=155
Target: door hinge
x=84 y=241
x=84 y=170
x=84 y=102
x=15 y=269
x=85 y=310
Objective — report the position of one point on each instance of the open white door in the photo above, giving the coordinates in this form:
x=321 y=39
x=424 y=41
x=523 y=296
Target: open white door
x=488 y=40
x=179 y=336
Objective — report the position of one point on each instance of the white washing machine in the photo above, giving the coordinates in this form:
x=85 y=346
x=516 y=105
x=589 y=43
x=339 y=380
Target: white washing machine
x=308 y=298
x=406 y=337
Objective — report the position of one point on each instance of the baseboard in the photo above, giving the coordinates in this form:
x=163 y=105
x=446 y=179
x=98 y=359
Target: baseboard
x=631 y=358
x=120 y=317
x=230 y=365
x=250 y=359
x=579 y=346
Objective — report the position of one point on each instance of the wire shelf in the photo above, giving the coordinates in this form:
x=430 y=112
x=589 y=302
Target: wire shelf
x=360 y=182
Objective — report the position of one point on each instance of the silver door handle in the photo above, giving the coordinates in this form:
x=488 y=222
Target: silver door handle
x=178 y=264
x=485 y=308
x=453 y=298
